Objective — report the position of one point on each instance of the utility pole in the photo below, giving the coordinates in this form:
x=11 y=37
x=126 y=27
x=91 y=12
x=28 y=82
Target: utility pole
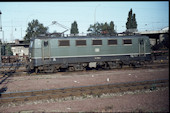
x=95 y=18
x=0 y=21
x=1 y=27
x=21 y=32
x=12 y=36
x=95 y=13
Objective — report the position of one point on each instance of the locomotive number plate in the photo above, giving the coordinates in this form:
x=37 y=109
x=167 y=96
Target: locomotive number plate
x=97 y=50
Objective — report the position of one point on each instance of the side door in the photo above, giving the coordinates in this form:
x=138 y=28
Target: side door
x=141 y=47
x=45 y=50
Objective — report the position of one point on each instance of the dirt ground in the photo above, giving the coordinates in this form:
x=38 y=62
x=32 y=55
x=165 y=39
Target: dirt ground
x=67 y=79
x=145 y=101
x=151 y=101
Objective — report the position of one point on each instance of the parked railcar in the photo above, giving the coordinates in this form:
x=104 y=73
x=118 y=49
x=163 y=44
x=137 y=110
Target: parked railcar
x=8 y=63
x=78 y=53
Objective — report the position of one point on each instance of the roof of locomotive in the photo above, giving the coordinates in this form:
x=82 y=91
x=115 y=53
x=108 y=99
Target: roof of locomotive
x=91 y=37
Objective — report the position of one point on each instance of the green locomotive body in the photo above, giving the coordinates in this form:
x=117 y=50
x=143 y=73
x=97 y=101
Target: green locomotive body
x=77 y=53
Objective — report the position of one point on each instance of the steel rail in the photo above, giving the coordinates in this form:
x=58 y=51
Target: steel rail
x=22 y=72
x=81 y=91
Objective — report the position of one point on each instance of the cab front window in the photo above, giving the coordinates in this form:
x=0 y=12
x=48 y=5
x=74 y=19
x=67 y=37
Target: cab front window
x=31 y=44
x=37 y=43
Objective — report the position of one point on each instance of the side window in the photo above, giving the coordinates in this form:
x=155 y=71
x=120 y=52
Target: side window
x=96 y=42
x=112 y=42
x=64 y=43
x=127 y=41
x=141 y=41
x=45 y=43
x=31 y=44
x=80 y=42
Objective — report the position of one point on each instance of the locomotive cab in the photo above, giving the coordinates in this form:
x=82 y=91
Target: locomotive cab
x=39 y=52
x=34 y=52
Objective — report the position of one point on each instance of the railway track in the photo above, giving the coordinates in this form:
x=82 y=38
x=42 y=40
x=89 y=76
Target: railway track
x=80 y=91
x=22 y=71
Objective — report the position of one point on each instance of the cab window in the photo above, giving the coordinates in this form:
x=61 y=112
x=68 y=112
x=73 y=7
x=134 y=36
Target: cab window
x=45 y=43
x=37 y=43
x=31 y=44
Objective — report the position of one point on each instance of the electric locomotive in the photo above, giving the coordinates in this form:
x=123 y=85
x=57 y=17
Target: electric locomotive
x=50 y=54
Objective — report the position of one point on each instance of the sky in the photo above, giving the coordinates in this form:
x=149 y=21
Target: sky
x=153 y=15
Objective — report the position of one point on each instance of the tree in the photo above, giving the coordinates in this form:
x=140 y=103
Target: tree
x=111 y=28
x=8 y=50
x=134 y=25
x=131 y=23
x=105 y=27
x=102 y=29
x=91 y=29
x=34 y=29
x=95 y=29
x=74 y=28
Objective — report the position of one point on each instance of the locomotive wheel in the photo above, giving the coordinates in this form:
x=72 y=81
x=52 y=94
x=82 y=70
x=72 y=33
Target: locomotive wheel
x=28 y=68
x=36 y=70
x=71 y=68
x=135 y=64
x=50 y=69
